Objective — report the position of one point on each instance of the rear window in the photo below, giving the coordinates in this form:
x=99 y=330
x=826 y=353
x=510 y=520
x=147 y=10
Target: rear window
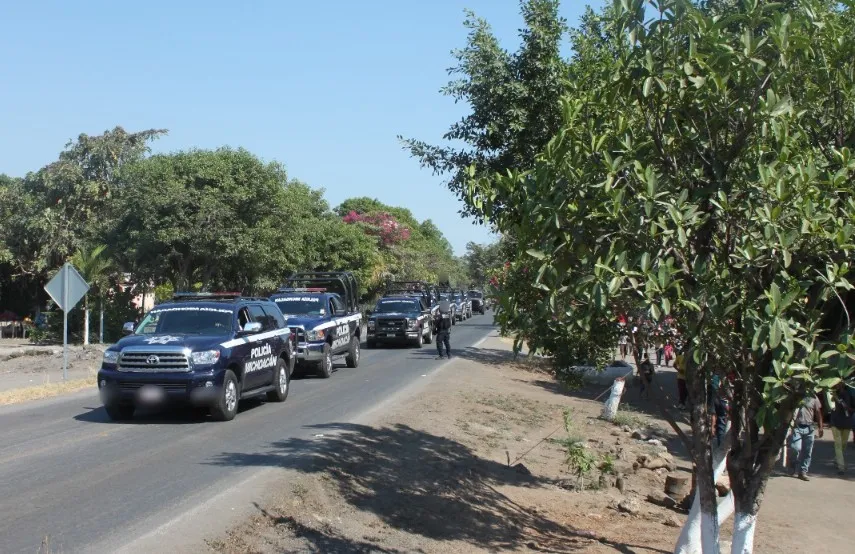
x=475 y=294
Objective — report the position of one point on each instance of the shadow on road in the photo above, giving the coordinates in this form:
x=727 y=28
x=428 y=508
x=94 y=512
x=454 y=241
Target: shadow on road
x=173 y=415
x=420 y=483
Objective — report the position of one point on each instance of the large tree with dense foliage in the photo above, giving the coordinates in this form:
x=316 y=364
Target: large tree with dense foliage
x=513 y=98
x=408 y=249
x=706 y=174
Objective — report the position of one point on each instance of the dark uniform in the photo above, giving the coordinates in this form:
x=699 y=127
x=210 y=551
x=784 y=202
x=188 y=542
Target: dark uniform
x=442 y=324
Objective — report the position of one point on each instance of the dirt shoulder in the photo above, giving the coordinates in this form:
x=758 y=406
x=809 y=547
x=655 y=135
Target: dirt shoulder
x=438 y=473
x=32 y=372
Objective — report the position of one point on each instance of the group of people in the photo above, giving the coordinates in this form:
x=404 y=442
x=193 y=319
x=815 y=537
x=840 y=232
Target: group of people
x=807 y=424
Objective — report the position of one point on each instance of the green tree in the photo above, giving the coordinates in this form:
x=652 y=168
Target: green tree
x=514 y=99
x=219 y=218
x=95 y=267
x=708 y=177
x=480 y=260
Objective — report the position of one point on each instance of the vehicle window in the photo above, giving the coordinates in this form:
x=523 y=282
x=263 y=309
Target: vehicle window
x=275 y=315
x=243 y=318
x=258 y=315
x=391 y=306
x=189 y=320
x=300 y=305
x=337 y=304
x=475 y=294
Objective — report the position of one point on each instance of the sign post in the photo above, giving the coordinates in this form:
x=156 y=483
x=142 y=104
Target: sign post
x=66 y=288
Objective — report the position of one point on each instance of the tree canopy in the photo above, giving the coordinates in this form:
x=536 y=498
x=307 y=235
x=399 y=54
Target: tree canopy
x=699 y=169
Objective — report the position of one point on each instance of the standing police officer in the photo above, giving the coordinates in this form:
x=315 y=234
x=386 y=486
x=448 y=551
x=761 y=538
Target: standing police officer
x=442 y=324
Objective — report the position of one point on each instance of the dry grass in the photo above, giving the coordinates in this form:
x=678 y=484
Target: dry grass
x=47 y=390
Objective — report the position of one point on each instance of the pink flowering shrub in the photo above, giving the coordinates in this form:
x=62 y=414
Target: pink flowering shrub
x=382 y=225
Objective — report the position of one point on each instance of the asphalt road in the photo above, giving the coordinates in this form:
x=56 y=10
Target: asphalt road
x=68 y=472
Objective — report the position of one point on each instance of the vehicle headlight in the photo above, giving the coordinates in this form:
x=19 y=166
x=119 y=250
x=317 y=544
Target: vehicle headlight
x=315 y=335
x=205 y=357
x=412 y=323
x=111 y=356
x=371 y=323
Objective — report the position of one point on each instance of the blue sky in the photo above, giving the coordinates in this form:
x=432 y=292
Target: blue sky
x=323 y=87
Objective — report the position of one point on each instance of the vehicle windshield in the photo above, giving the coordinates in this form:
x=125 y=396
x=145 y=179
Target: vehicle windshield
x=475 y=294
x=301 y=305
x=390 y=306
x=187 y=320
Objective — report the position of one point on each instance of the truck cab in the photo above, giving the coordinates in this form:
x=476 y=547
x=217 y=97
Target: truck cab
x=205 y=349
x=401 y=318
x=321 y=310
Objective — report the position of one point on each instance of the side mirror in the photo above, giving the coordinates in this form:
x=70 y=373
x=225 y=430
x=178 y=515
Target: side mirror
x=251 y=327
x=128 y=328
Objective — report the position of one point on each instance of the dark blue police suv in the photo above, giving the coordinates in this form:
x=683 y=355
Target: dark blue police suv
x=205 y=349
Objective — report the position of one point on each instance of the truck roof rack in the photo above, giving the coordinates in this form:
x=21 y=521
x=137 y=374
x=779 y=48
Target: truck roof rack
x=302 y=289
x=342 y=282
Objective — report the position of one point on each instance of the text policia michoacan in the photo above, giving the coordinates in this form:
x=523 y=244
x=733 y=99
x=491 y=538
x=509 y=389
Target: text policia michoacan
x=260 y=358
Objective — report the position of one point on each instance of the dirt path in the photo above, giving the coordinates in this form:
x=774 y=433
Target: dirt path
x=438 y=474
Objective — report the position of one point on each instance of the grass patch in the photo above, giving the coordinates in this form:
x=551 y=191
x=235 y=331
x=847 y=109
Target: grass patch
x=48 y=390
x=629 y=419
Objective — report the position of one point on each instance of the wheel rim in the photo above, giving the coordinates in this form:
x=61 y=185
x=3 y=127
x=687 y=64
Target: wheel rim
x=231 y=396
x=328 y=362
x=356 y=353
x=283 y=380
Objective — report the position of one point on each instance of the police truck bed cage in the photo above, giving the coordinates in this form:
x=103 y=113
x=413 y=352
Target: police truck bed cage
x=420 y=288
x=342 y=282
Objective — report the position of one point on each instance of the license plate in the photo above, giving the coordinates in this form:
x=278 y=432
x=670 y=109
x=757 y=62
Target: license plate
x=151 y=394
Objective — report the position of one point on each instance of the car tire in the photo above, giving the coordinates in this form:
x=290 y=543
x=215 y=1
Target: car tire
x=352 y=358
x=325 y=366
x=453 y=319
x=281 y=382
x=227 y=404
x=120 y=412
x=429 y=337
x=420 y=340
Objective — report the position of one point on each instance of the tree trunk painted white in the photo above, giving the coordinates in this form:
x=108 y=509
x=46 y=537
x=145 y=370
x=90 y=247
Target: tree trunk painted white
x=86 y=321
x=610 y=408
x=743 y=534
x=101 y=328
x=710 y=534
x=691 y=539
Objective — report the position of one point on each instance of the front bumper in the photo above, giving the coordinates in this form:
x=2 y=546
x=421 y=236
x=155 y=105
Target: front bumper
x=394 y=336
x=310 y=351
x=200 y=388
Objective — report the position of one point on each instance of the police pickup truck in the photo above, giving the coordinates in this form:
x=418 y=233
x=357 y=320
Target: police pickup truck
x=403 y=316
x=206 y=349
x=459 y=307
x=479 y=303
x=321 y=308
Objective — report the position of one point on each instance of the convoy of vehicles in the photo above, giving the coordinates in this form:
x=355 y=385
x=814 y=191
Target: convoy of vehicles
x=212 y=350
x=205 y=349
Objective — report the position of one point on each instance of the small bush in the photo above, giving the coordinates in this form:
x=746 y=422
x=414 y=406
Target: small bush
x=629 y=419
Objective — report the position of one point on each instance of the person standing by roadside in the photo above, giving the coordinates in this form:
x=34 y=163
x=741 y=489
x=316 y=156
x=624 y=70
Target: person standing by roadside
x=623 y=344
x=645 y=375
x=682 y=388
x=808 y=420
x=660 y=352
x=442 y=324
x=841 y=422
x=669 y=353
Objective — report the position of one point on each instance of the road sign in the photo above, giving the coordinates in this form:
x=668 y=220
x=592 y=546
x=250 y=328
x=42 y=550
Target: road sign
x=66 y=288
